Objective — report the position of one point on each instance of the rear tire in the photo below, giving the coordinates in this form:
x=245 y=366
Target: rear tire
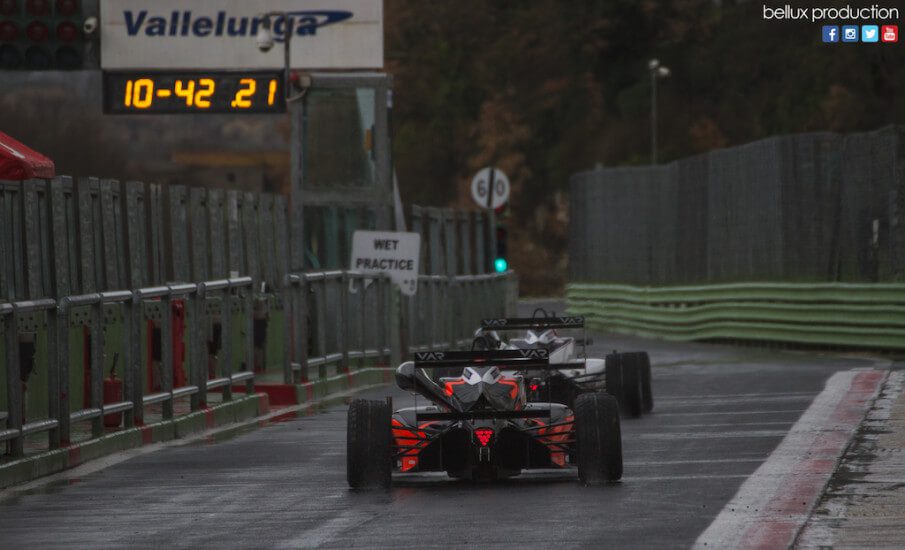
x=598 y=437
x=631 y=385
x=623 y=380
x=647 y=393
x=369 y=461
x=613 y=376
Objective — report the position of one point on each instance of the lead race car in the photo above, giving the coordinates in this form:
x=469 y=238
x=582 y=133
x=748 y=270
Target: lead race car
x=626 y=375
x=481 y=425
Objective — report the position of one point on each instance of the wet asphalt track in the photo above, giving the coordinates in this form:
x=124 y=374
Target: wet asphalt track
x=719 y=412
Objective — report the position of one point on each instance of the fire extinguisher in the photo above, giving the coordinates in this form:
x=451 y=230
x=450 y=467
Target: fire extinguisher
x=113 y=393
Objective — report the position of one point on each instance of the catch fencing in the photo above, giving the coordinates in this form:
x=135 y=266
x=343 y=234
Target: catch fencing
x=795 y=239
x=186 y=296
x=809 y=208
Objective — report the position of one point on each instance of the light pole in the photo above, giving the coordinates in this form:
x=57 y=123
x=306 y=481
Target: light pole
x=264 y=39
x=657 y=72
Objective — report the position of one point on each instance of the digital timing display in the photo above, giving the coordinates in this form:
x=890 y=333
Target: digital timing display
x=193 y=92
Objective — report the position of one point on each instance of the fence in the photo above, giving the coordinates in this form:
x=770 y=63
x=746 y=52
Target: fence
x=340 y=319
x=793 y=239
x=809 y=208
x=454 y=242
x=86 y=289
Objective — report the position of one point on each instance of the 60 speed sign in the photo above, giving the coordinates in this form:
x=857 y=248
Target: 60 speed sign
x=490 y=188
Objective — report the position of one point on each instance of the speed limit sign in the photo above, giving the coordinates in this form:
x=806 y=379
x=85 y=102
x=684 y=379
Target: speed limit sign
x=490 y=188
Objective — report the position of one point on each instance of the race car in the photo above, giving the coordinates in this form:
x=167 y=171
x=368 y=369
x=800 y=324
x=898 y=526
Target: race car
x=481 y=425
x=626 y=376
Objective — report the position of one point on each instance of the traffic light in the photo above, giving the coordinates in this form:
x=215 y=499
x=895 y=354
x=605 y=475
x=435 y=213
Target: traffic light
x=499 y=263
x=41 y=35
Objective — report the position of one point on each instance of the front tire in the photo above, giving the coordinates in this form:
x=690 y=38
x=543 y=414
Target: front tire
x=369 y=461
x=599 y=438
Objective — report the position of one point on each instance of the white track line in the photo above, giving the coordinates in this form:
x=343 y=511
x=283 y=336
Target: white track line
x=680 y=397
x=713 y=435
x=732 y=413
x=775 y=501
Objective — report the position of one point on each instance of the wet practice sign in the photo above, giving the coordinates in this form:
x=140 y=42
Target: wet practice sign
x=391 y=252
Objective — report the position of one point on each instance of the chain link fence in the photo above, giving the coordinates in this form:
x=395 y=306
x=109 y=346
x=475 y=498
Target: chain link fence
x=808 y=207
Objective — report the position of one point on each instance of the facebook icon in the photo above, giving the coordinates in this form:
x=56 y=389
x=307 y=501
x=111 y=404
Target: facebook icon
x=830 y=33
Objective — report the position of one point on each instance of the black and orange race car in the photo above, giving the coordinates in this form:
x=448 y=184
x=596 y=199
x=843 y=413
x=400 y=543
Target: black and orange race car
x=481 y=425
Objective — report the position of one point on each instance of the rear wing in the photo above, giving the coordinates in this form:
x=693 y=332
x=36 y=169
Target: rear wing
x=481 y=414
x=518 y=358
x=514 y=359
x=527 y=323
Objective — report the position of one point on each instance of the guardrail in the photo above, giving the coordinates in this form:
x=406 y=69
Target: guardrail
x=185 y=340
x=358 y=329
x=837 y=314
x=96 y=314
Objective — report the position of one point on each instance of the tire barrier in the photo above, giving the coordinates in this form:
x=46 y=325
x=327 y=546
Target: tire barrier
x=831 y=314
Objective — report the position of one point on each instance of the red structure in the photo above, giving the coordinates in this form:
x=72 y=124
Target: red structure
x=18 y=162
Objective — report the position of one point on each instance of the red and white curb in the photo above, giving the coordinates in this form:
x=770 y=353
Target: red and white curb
x=774 y=503
x=867 y=514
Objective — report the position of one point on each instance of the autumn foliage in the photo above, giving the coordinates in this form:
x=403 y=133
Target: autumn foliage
x=545 y=88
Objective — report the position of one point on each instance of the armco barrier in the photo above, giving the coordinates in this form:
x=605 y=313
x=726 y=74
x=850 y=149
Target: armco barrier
x=337 y=326
x=58 y=385
x=836 y=314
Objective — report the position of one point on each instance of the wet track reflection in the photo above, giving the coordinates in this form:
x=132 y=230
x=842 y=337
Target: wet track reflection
x=719 y=412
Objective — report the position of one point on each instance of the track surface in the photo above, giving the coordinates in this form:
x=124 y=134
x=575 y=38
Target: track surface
x=719 y=412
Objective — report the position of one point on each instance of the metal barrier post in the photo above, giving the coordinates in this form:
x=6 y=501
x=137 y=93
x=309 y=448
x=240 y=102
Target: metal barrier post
x=287 y=297
x=53 y=376
x=249 y=324
x=131 y=365
x=321 y=304
x=97 y=367
x=134 y=386
x=166 y=353
x=14 y=383
x=62 y=359
x=362 y=308
x=226 y=330
x=198 y=349
x=344 y=319
x=301 y=327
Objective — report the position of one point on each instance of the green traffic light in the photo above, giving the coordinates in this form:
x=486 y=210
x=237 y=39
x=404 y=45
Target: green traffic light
x=500 y=265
